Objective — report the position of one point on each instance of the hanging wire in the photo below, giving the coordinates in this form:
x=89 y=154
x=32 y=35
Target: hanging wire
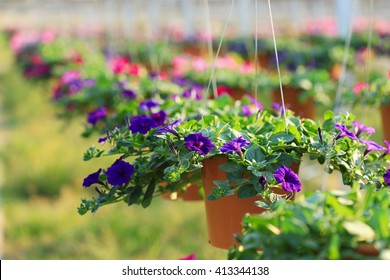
x=341 y=81
x=368 y=59
x=210 y=44
x=277 y=64
x=256 y=49
x=218 y=50
x=340 y=88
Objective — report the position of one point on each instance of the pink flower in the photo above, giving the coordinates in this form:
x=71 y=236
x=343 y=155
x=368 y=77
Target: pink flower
x=358 y=87
x=199 y=64
x=221 y=89
x=119 y=65
x=189 y=257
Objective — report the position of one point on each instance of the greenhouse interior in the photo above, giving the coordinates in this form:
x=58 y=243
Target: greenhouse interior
x=195 y=130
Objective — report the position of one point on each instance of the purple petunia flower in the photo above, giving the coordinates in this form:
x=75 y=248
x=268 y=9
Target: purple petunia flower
x=149 y=104
x=288 y=178
x=371 y=146
x=92 y=178
x=386 y=176
x=119 y=173
x=246 y=111
x=262 y=180
x=198 y=143
x=255 y=102
x=359 y=127
x=159 y=117
x=102 y=140
x=180 y=81
x=129 y=93
x=278 y=108
x=142 y=124
x=344 y=132
x=194 y=92
x=235 y=145
x=170 y=128
x=96 y=115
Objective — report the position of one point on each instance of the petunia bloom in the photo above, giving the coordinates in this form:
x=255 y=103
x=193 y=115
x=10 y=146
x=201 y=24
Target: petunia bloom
x=119 y=173
x=129 y=93
x=371 y=146
x=142 y=124
x=359 y=127
x=359 y=87
x=92 y=178
x=386 y=176
x=198 y=143
x=344 y=132
x=96 y=115
x=149 y=104
x=159 y=117
x=387 y=149
x=288 y=179
x=235 y=145
x=170 y=128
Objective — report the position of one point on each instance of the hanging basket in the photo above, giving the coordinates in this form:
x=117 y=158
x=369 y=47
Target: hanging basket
x=304 y=109
x=224 y=216
x=385 y=114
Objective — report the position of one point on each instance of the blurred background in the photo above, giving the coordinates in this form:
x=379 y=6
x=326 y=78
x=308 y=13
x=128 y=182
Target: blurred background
x=41 y=166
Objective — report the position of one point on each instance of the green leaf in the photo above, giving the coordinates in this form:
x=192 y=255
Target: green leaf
x=262 y=204
x=254 y=153
x=246 y=191
x=231 y=166
x=134 y=197
x=148 y=194
x=285 y=137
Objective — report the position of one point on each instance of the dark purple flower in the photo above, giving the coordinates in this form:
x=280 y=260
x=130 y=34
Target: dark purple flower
x=344 y=132
x=92 y=178
x=142 y=124
x=119 y=173
x=235 y=145
x=170 y=128
x=159 y=117
x=180 y=81
x=198 y=143
x=359 y=127
x=371 y=146
x=288 y=178
x=95 y=116
x=262 y=180
x=74 y=86
x=129 y=93
x=102 y=140
x=149 y=104
x=386 y=176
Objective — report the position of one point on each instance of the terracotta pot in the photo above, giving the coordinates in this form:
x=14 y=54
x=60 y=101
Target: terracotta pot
x=385 y=114
x=191 y=193
x=224 y=215
x=305 y=109
x=264 y=61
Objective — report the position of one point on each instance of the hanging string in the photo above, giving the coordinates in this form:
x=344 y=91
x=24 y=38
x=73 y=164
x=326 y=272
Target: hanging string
x=256 y=50
x=210 y=43
x=340 y=87
x=277 y=64
x=218 y=50
x=342 y=77
x=368 y=59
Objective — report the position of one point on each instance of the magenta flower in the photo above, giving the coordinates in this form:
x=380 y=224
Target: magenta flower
x=142 y=124
x=359 y=127
x=344 y=132
x=96 y=115
x=235 y=145
x=198 y=143
x=119 y=173
x=371 y=146
x=92 y=178
x=189 y=257
x=387 y=147
x=386 y=176
x=288 y=178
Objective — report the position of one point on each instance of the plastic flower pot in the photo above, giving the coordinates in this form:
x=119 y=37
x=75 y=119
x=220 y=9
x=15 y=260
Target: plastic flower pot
x=303 y=109
x=385 y=113
x=224 y=216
